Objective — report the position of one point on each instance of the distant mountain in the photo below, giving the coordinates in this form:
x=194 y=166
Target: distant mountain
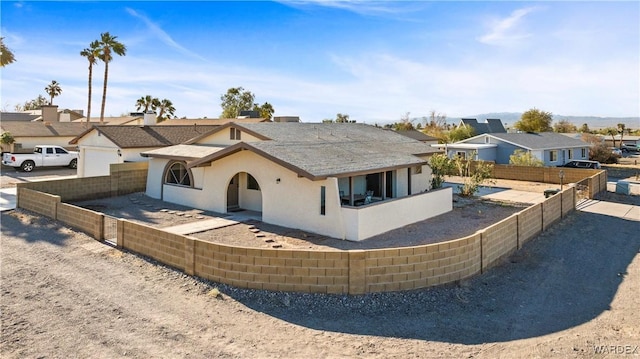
x=594 y=122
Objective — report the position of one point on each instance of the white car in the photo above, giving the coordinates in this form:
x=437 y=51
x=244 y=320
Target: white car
x=42 y=156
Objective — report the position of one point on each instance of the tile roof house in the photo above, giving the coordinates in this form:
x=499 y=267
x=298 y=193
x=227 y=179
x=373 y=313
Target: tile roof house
x=491 y=125
x=554 y=149
x=100 y=146
x=349 y=181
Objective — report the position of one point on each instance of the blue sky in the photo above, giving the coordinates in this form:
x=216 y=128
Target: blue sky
x=375 y=61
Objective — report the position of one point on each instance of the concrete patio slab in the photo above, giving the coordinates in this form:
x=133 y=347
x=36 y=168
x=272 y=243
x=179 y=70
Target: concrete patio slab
x=625 y=211
x=201 y=226
x=8 y=198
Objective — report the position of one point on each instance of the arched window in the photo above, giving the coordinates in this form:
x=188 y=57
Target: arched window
x=178 y=174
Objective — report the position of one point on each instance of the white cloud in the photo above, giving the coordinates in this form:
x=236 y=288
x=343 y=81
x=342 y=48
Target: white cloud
x=362 y=7
x=162 y=35
x=506 y=31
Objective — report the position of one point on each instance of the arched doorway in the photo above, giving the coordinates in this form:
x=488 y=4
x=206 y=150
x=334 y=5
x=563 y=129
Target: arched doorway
x=244 y=194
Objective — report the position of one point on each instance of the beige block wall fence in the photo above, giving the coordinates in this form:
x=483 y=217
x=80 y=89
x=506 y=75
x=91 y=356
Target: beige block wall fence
x=327 y=271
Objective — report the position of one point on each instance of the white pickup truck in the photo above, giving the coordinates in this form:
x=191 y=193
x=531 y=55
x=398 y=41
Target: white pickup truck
x=42 y=156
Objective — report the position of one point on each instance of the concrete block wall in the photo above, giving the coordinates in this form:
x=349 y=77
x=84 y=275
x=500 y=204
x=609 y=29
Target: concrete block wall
x=568 y=200
x=542 y=174
x=85 y=220
x=529 y=223
x=499 y=240
x=73 y=189
x=519 y=173
x=284 y=270
x=162 y=246
x=353 y=272
x=551 y=211
x=126 y=178
x=395 y=269
x=39 y=202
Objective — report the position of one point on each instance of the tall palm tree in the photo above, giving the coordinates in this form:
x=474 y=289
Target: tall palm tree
x=147 y=102
x=92 y=53
x=108 y=47
x=165 y=106
x=53 y=89
x=6 y=56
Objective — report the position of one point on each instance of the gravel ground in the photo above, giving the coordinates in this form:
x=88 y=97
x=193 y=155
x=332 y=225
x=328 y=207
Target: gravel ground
x=567 y=294
x=475 y=214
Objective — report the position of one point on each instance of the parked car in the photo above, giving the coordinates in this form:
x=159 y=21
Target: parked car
x=582 y=164
x=616 y=151
x=629 y=148
x=42 y=156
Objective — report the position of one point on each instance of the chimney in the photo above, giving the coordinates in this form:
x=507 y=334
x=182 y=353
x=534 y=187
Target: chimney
x=149 y=118
x=50 y=113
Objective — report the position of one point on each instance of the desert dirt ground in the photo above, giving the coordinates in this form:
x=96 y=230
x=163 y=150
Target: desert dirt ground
x=571 y=292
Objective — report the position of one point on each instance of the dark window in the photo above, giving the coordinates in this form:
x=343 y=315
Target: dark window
x=252 y=183
x=553 y=156
x=60 y=150
x=234 y=134
x=49 y=150
x=323 y=195
x=178 y=174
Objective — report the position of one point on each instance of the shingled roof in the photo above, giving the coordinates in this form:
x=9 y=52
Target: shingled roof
x=126 y=136
x=210 y=121
x=17 y=116
x=540 y=141
x=41 y=129
x=317 y=151
x=491 y=125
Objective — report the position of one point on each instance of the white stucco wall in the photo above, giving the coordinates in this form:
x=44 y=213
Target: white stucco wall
x=420 y=182
x=381 y=217
x=222 y=138
x=294 y=201
x=94 y=161
x=31 y=142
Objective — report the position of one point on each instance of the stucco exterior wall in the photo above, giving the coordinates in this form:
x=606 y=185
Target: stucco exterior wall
x=294 y=201
x=223 y=138
x=380 y=217
x=94 y=161
x=31 y=142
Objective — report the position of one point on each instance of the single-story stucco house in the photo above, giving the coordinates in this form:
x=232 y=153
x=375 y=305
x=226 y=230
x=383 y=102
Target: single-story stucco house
x=101 y=146
x=349 y=181
x=553 y=149
x=28 y=134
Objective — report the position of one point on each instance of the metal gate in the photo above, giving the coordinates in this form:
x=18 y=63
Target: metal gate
x=110 y=229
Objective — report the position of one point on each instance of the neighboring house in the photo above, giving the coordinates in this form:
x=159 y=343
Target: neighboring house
x=349 y=181
x=51 y=113
x=554 y=149
x=491 y=125
x=28 y=134
x=210 y=121
x=132 y=119
x=419 y=136
x=18 y=116
x=628 y=140
x=101 y=146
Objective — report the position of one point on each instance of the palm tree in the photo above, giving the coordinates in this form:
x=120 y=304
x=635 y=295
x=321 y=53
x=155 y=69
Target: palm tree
x=91 y=53
x=53 y=90
x=147 y=102
x=165 y=106
x=6 y=56
x=108 y=46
